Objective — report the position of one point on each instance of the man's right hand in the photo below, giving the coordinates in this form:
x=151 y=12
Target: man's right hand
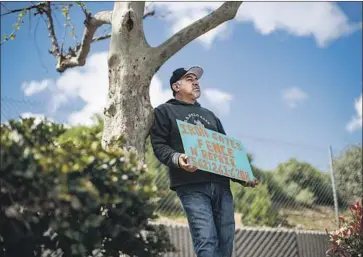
x=184 y=163
x=252 y=183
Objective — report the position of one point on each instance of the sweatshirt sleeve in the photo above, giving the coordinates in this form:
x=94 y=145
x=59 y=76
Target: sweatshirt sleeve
x=159 y=137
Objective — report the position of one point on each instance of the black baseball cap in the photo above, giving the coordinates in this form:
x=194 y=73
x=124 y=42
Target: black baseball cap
x=181 y=72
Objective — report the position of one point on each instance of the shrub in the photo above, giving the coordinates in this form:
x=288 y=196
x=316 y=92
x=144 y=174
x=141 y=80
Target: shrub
x=305 y=196
x=292 y=189
x=347 y=241
x=349 y=173
x=302 y=175
x=169 y=204
x=275 y=189
x=256 y=206
x=73 y=197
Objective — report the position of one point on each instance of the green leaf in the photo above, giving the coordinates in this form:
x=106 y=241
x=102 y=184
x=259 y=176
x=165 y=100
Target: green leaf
x=65 y=11
x=80 y=3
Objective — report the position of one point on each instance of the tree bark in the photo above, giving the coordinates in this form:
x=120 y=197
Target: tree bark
x=132 y=63
x=128 y=112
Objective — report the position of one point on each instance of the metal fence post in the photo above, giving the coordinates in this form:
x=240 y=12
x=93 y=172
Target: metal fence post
x=333 y=184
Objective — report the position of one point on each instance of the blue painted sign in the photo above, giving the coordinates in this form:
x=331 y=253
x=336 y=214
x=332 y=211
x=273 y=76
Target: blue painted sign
x=214 y=152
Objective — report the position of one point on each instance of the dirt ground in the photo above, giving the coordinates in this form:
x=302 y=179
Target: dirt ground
x=317 y=219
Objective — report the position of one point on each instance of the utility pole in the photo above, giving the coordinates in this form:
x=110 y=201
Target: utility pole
x=333 y=185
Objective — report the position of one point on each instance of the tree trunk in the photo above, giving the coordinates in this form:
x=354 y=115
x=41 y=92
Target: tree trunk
x=130 y=69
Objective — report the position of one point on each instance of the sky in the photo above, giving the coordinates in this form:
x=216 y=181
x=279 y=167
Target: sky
x=284 y=78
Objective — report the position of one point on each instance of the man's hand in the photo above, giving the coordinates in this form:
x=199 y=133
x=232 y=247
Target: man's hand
x=253 y=183
x=184 y=163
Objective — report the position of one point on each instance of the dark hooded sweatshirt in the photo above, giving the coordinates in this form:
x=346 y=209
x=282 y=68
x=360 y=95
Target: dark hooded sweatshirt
x=167 y=143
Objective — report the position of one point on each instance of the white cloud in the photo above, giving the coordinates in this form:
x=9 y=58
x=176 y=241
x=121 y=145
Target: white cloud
x=158 y=94
x=90 y=84
x=324 y=21
x=356 y=122
x=181 y=14
x=34 y=87
x=26 y=115
x=294 y=96
x=218 y=101
x=38 y=117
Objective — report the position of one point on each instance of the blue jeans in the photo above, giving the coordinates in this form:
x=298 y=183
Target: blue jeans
x=210 y=213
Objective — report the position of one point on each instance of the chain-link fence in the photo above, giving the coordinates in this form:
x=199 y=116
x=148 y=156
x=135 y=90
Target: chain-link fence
x=278 y=201
x=293 y=195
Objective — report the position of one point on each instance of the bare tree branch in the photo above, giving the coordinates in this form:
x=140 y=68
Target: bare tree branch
x=3 y=5
x=33 y=6
x=149 y=13
x=37 y=46
x=48 y=12
x=96 y=39
x=224 y=13
x=77 y=56
x=84 y=10
x=146 y=14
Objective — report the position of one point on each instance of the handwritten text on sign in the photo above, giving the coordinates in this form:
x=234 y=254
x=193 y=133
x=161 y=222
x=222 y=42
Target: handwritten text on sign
x=214 y=152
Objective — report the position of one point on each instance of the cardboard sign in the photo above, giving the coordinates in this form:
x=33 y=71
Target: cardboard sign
x=214 y=152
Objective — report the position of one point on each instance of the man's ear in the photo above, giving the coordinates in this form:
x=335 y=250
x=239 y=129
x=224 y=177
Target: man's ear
x=175 y=87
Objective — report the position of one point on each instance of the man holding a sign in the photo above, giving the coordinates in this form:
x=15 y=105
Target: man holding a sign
x=191 y=141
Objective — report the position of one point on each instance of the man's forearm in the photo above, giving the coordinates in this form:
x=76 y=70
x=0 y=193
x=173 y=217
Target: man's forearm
x=166 y=155
x=175 y=159
x=159 y=136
